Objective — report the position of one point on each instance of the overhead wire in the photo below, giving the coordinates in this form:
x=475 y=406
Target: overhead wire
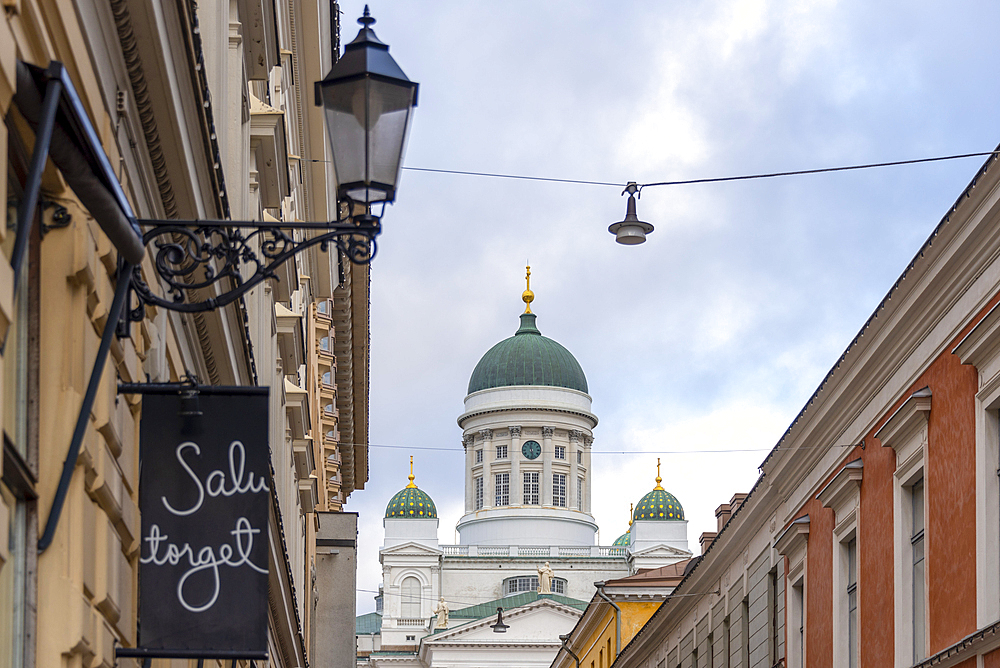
x=623 y=452
x=715 y=179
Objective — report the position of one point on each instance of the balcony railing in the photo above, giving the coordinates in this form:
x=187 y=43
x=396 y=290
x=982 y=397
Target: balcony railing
x=578 y=551
x=411 y=622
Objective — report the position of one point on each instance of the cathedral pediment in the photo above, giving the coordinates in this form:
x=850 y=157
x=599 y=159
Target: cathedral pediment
x=410 y=549
x=537 y=623
x=662 y=551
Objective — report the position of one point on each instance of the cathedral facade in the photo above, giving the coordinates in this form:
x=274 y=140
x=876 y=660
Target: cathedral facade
x=527 y=539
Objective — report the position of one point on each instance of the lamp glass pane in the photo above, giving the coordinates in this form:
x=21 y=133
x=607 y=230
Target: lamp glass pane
x=368 y=121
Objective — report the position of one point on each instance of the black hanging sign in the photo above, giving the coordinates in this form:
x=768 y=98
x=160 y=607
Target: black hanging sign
x=204 y=496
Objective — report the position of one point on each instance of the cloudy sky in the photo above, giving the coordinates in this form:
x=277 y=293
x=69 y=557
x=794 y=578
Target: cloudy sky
x=713 y=334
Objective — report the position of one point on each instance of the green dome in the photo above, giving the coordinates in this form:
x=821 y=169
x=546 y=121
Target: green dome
x=658 y=505
x=624 y=540
x=411 y=503
x=528 y=358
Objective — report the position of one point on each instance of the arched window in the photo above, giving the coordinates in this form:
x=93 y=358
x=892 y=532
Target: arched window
x=523 y=583
x=410 y=595
x=328 y=378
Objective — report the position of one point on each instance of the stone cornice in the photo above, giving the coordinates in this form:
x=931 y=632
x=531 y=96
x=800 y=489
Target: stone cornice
x=845 y=484
x=533 y=409
x=983 y=342
x=906 y=421
x=795 y=537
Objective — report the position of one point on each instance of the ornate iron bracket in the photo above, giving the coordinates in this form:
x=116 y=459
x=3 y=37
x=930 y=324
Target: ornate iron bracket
x=197 y=255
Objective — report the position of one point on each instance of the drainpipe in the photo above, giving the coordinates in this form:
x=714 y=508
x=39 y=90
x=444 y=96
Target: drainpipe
x=565 y=639
x=618 y=615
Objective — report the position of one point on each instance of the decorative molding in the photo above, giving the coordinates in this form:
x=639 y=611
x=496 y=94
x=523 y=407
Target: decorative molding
x=515 y=432
x=468 y=440
x=549 y=432
x=485 y=434
x=908 y=420
x=844 y=486
x=794 y=538
x=575 y=435
x=982 y=344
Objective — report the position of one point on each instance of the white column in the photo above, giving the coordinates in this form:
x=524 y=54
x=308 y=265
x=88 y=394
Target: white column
x=514 y=452
x=574 y=474
x=486 y=436
x=469 y=443
x=545 y=489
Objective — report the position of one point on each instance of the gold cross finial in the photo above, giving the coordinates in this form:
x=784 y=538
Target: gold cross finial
x=658 y=478
x=411 y=473
x=527 y=296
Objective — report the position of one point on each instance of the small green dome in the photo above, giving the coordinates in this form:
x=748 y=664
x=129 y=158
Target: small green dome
x=624 y=540
x=411 y=503
x=528 y=358
x=658 y=505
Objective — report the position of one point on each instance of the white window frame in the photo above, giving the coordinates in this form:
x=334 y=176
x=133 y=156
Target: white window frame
x=559 y=490
x=906 y=433
x=843 y=495
x=532 y=488
x=501 y=495
x=477 y=491
x=479 y=456
x=501 y=452
x=560 y=452
x=792 y=543
x=981 y=348
x=579 y=492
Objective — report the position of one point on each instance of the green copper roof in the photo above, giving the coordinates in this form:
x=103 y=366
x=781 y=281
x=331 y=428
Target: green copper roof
x=370 y=623
x=658 y=505
x=411 y=503
x=528 y=358
x=489 y=609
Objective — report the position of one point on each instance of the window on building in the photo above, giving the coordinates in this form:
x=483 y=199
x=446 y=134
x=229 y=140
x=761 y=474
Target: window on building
x=852 y=603
x=523 y=583
x=411 y=638
x=328 y=378
x=324 y=344
x=409 y=594
x=797 y=621
x=477 y=490
x=579 y=493
x=501 y=452
x=19 y=438
x=323 y=307
x=917 y=570
x=502 y=496
x=559 y=489
x=479 y=456
x=531 y=488
x=579 y=456
x=560 y=452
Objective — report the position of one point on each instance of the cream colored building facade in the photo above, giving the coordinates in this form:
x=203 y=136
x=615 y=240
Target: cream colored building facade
x=205 y=111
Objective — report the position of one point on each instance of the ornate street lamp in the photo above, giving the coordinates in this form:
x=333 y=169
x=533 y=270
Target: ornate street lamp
x=630 y=231
x=369 y=104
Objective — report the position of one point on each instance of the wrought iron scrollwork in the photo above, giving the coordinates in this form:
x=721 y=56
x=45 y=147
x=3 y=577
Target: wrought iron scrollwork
x=194 y=256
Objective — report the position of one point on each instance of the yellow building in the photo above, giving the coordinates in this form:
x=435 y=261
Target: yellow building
x=615 y=614
x=204 y=111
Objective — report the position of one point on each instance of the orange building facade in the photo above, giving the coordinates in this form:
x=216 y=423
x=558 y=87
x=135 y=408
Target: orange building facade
x=872 y=537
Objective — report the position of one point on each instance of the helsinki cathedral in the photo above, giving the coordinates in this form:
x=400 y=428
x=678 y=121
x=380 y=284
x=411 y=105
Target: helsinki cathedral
x=527 y=538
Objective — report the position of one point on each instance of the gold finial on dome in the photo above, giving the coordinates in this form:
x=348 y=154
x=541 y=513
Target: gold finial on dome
x=631 y=508
x=528 y=296
x=658 y=478
x=411 y=485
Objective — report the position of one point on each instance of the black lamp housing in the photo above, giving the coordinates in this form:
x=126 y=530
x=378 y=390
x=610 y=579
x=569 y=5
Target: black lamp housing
x=368 y=103
x=499 y=627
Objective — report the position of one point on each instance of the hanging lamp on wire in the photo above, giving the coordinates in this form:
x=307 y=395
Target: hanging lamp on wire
x=631 y=231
